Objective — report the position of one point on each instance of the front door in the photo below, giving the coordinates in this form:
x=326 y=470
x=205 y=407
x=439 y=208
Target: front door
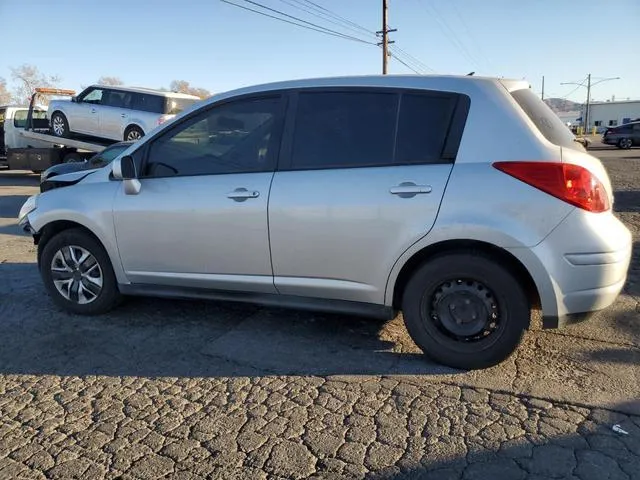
x=114 y=112
x=364 y=179
x=86 y=112
x=200 y=218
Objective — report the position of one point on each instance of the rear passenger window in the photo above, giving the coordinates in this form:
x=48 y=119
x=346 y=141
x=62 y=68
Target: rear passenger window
x=344 y=129
x=422 y=128
x=148 y=102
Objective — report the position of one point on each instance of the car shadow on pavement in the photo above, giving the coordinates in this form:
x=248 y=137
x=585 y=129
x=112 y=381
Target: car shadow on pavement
x=186 y=338
x=12 y=178
x=10 y=206
x=551 y=446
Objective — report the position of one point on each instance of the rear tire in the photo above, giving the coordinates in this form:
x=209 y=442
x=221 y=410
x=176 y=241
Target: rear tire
x=59 y=125
x=86 y=287
x=625 y=143
x=133 y=133
x=466 y=311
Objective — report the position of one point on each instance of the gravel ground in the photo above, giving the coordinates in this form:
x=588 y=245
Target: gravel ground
x=169 y=389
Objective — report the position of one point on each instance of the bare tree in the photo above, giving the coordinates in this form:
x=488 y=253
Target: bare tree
x=28 y=78
x=183 y=86
x=113 y=81
x=5 y=95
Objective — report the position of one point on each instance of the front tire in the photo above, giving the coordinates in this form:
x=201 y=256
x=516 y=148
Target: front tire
x=466 y=311
x=59 y=125
x=133 y=133
x=625 y=143
x=77 y=273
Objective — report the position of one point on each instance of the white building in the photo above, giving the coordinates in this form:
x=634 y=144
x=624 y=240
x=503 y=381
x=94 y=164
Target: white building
x=610 y=114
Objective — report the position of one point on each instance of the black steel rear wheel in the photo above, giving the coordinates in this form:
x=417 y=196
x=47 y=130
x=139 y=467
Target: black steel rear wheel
x=465 y=310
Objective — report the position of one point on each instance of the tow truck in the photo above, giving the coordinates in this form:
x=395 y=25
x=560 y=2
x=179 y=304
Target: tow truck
x=29 y=144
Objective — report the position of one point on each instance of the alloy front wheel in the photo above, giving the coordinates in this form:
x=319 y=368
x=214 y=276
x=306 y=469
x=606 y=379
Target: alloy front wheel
x=76 y=274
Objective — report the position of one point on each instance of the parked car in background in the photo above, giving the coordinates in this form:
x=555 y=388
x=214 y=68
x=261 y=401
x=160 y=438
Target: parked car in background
x=99 y=160
x=364 y=195
x=623 y=136
x=116 y=113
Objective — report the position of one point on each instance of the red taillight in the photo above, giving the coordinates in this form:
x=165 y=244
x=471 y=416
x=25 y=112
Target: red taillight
x=571 y=183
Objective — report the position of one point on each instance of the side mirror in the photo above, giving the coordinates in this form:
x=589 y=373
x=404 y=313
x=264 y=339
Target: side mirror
x=74 y=99
x=128 y=168
x=125 y=169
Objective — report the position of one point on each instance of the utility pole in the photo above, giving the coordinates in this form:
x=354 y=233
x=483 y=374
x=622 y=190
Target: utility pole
x=385 y=37
x=586 y=108
x=585 y=119
x=542 y=87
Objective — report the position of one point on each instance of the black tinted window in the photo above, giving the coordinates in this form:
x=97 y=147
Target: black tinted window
x=340 y=129
x=148 y=102
x=422 y=129
x=239 y=137
x=115 y=98
x=547 y=122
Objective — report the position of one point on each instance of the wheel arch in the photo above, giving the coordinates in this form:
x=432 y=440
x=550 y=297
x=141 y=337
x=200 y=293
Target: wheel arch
x=51 y=229
x=61 y=112
x=130 y=125
x=513 y=264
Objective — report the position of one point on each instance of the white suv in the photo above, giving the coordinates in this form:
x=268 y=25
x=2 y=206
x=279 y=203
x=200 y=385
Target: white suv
x=116 y=113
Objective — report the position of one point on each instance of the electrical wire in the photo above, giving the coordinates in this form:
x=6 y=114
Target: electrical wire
x=327 y=15
x=470 y=35
x=335 y=15
x=319 y=28
x=260 y=5
x=448 y=31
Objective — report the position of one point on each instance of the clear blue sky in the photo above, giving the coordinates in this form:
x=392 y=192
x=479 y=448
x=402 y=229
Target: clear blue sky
x=220 y=47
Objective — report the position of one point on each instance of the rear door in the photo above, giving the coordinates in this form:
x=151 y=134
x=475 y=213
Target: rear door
x=361 y=178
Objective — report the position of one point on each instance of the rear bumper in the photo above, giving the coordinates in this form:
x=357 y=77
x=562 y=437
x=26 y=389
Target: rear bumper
x=580 y=268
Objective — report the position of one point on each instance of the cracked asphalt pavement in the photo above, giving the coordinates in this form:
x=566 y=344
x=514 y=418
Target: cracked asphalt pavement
x=190 y=389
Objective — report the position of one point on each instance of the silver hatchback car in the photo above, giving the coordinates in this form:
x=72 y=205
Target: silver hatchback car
x=464 y=202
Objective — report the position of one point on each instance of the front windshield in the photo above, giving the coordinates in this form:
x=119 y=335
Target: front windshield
x=107 y=155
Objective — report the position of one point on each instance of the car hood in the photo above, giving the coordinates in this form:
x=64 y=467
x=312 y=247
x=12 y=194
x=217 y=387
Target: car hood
x=66 y=179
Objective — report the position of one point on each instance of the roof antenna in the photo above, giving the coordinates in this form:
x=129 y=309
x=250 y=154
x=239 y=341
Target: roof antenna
x=470 y=74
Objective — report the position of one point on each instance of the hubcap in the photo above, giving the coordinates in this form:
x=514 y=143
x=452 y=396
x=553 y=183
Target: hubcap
x=134 y=135
x=76 y=274
x=465 y=310
x=58 y=126
x=626 y=143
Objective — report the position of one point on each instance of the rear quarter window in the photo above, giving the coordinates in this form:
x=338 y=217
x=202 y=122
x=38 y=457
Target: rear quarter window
x=546 y=121
x=148 y=102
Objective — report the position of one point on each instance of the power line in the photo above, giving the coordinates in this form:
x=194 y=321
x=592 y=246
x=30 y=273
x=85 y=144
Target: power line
x=260 y=5
x=395 y=56
x=448 y=31
x=422 y=65
x=318 y=28
x=335 y=15
x=469 y=34
x=318 y=11
x=326 y=17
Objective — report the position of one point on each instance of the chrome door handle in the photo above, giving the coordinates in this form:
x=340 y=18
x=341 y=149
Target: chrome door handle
x=123 y=115
x=409 y=189
x=241 y=194
x=93 y=110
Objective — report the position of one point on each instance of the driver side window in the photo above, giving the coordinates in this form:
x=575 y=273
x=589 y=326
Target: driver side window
x=93 y=97
x=238 y=137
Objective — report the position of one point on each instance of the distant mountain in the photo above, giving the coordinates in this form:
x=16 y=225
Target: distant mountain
x=559 y=105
